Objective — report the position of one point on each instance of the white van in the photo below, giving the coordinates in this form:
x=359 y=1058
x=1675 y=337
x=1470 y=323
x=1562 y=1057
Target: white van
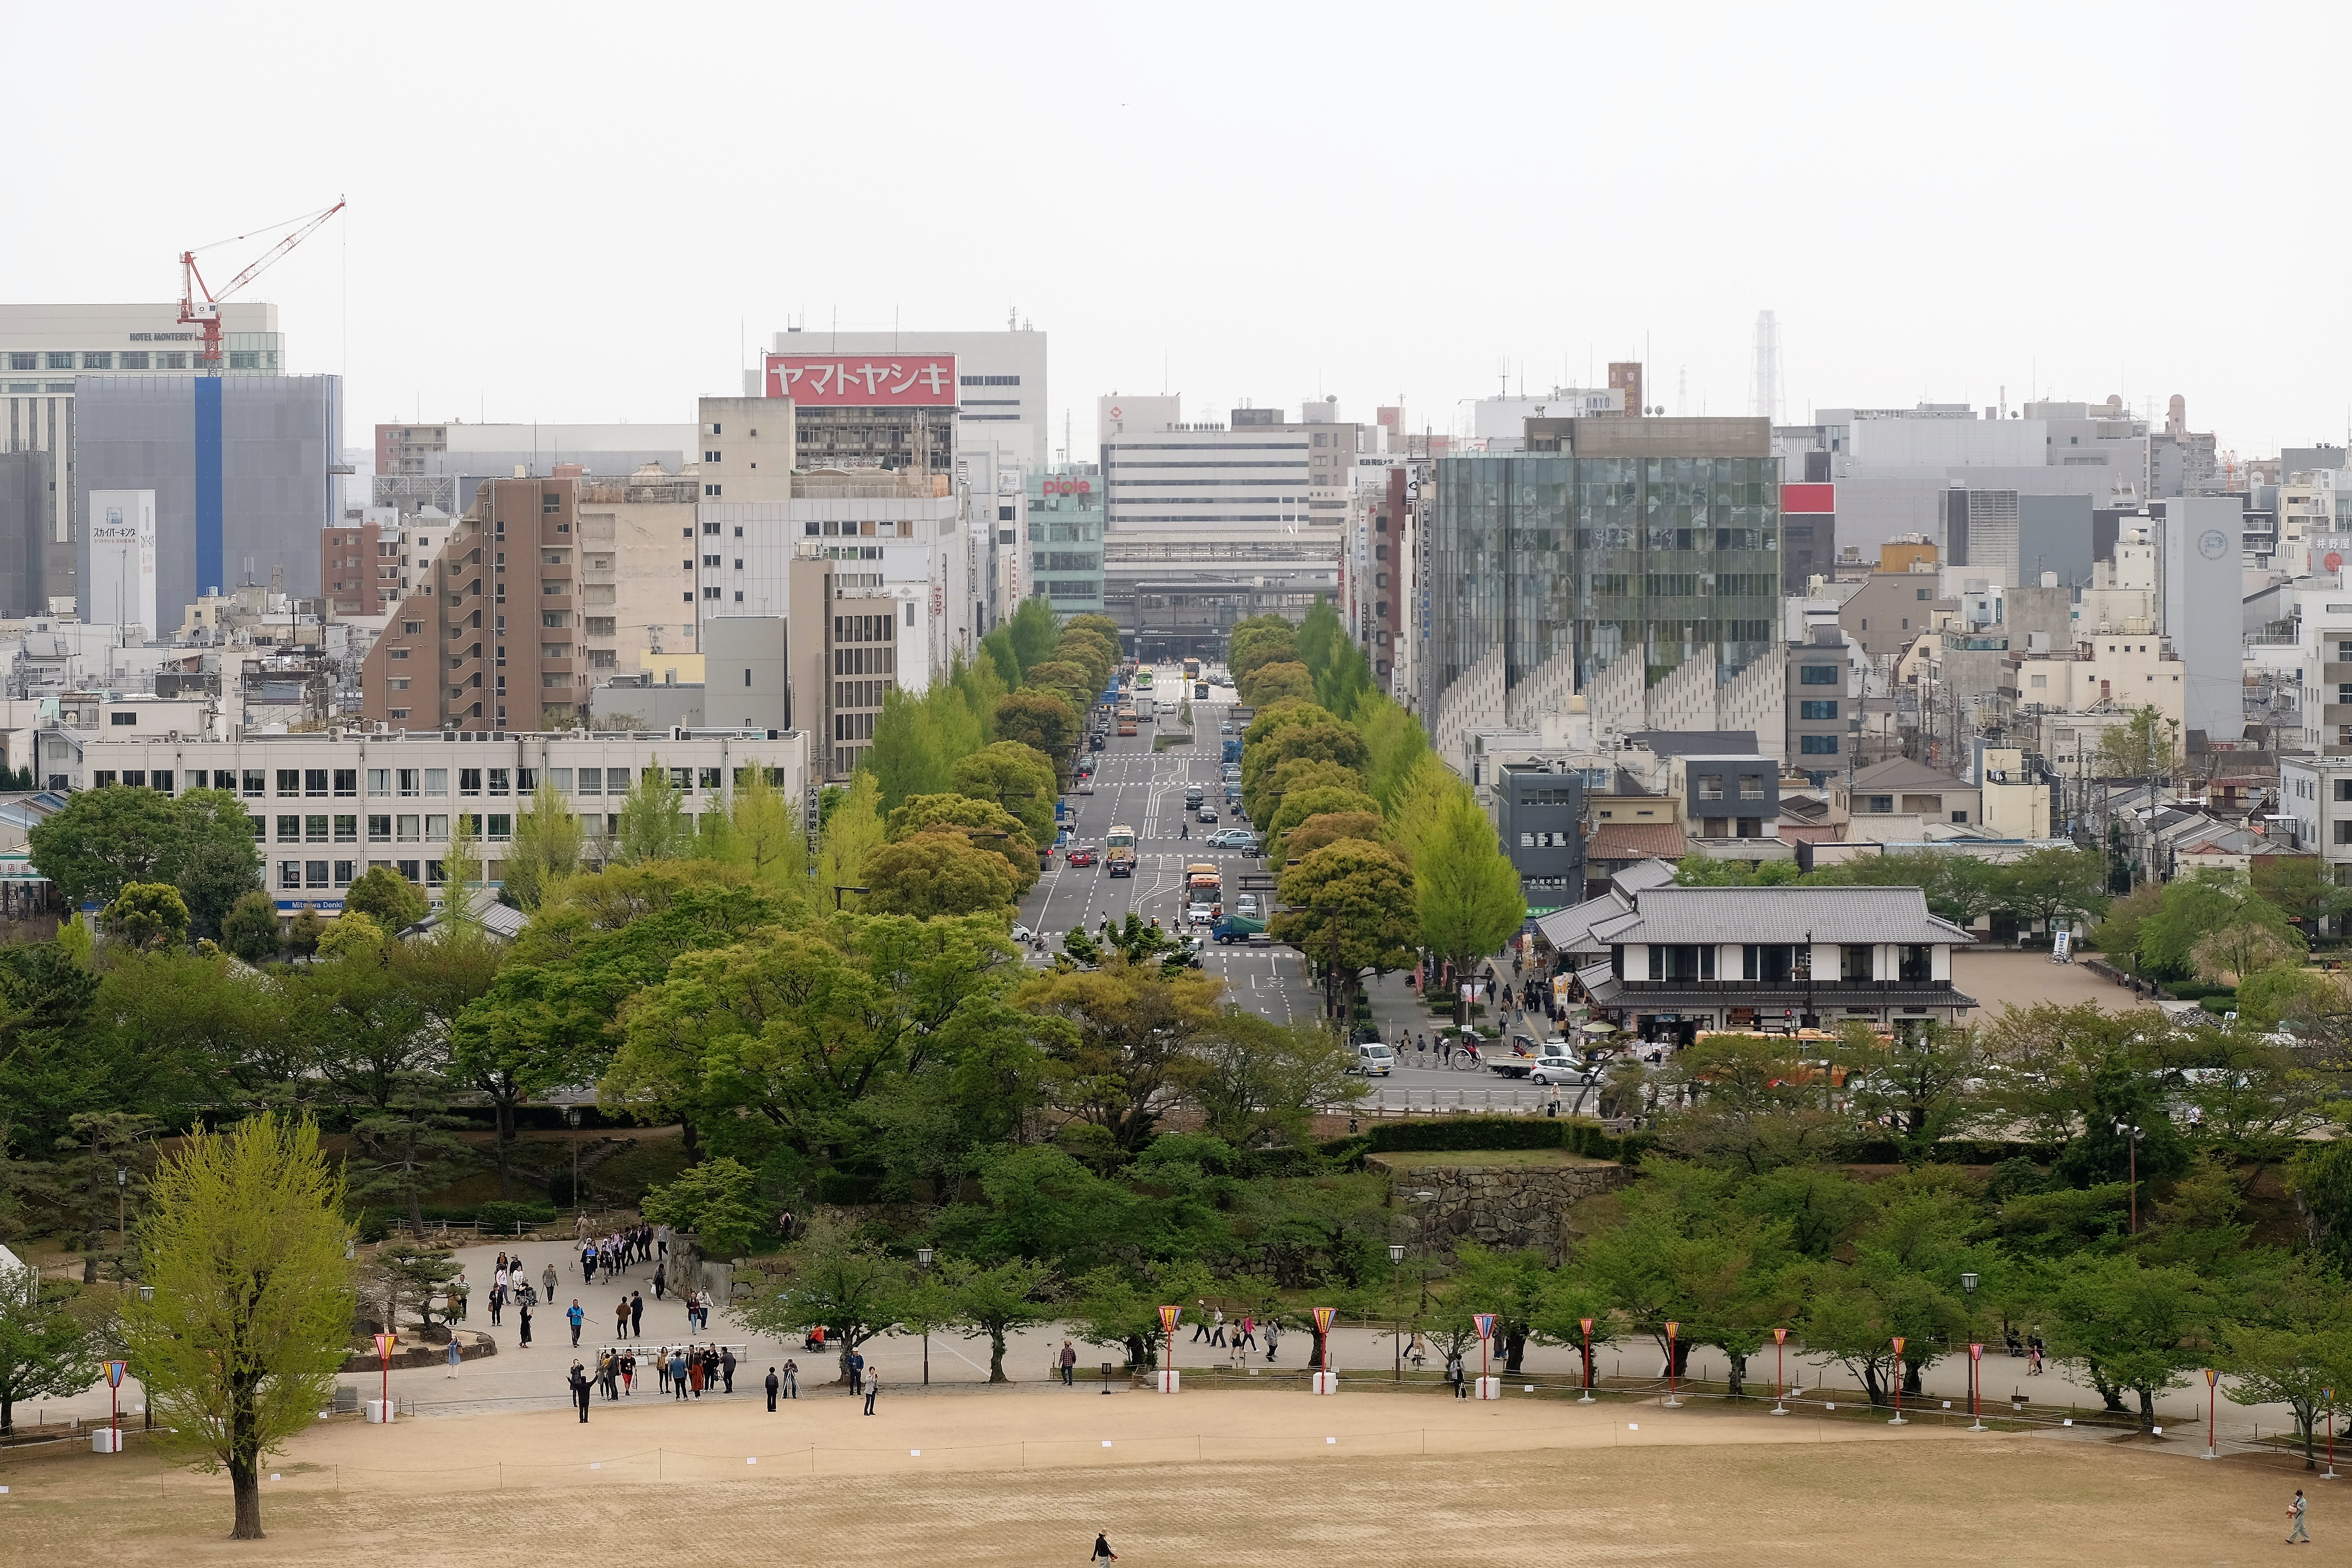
x=1374 y=1059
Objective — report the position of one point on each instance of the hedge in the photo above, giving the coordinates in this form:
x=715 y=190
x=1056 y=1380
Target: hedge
x=1576 y=1134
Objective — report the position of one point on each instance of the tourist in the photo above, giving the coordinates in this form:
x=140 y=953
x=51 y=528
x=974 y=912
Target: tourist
x=2293 y=1515
x=1272 y=1344
x=629 y=1373
x=1069 y=1361
x=1217 y=1328
x=874 y=1386
x=455 y=1355
x=636 y=1313
x=522 y=1312
x=574 y=1317
x=678 y=1374
x=1454 y=1376
x=497 y=1298
x=1247 y=1336
x=792 y=1378
x=621 y=1319
x=547 y=1281
x=693 y=1372
x=727 y=1368
x=772 y=1385
x=579 y=1381
x=661 y=1281
x=1102 y=1551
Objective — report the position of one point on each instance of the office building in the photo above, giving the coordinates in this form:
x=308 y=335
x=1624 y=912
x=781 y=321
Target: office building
x=1000 y=388
x=637 y=547
x=1807 y=533
x=1824 y=698
x=1538 y=813
x=28 y=498
x=121 y=580
x=242 y=467
x=495 y=642
x=326 y=807
x=868 y=410
x=45 y=349
x=2199 y=588
x=1065 y=530
x=440 y=463
x=1650 y=539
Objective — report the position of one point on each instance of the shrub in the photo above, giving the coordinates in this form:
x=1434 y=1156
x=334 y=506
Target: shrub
x=502 y=1214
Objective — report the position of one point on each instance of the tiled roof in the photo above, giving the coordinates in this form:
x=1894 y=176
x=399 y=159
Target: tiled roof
x=1637 y=841
x=1790 y=914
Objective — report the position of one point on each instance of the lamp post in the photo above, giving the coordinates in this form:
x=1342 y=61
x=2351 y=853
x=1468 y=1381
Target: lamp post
x=1586 y=1398
x=1672 y=1402
x=1396 y=1308
x=2131 y=1135
x=1976 y=1352
x=1899 y=1420
x=839 y=889
x=1780 y=1371
x=923 y=1256
x=2212 y=1442
x=572 y=1116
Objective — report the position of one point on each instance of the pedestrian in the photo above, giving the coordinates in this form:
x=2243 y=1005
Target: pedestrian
x=874 y=1386
x=727 y=1368
x=1069 y=1364
x=522 y=1317
x=1200 y=1323
x=455 y=1355
x=579 y=1381
x=1248 y=1333
x=574 y=1317
x=497 y=1300
x=621 y=1319
x=773 y=1384
x=457 y=1292
x=1454 y=1376
x=1272 y=1343
x=661 y=1281
x=546 y=1279
x=856 y=1368
x=629 y=1373
x=693 y=1372
x=792 y=1378
x=1102 y=1551
x=1217 y=1328
x=678 y=1374
x=588 y=1264
x=636 y=1313
x=2293 y=1510
x=661 y=1241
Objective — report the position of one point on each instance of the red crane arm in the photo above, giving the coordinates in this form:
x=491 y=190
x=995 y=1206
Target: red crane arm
x=192 y=283
x=272 y=254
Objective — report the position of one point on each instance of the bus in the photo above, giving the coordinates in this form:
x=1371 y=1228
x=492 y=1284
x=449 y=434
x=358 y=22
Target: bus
x=1143 y=678
x=1118 y=850
x=1192 y=669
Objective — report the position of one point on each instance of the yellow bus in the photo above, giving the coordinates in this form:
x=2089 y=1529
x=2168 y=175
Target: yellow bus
x=1118 y=850
x=1192 y=669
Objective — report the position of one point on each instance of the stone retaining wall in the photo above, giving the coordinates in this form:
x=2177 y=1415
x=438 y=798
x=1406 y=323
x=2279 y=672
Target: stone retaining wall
x=1501 y=1207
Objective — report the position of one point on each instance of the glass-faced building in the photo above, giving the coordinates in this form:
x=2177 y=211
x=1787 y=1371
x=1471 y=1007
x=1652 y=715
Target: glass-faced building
x=1066 y=538
x=1605 y=550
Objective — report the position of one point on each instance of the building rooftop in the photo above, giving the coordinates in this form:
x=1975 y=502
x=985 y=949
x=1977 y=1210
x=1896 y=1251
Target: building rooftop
x=1637 y=841
x=1696 y=743
x=1902 y=773
x=1710 y=915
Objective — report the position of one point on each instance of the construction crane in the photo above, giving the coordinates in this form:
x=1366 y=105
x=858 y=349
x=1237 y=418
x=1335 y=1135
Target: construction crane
x=199 y=306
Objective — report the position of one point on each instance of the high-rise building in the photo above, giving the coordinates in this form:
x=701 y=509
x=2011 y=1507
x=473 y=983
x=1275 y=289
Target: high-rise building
x=1000 y=388
x=1065 y=537
x=360 y=569
x=1609 y=538
x=494 y=642
x=242 y=467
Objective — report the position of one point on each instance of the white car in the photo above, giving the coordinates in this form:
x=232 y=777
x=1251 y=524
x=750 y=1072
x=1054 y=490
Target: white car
x=1374 y=1061
x=1198 y=914
x=1246 y=905
x=1557 y=1067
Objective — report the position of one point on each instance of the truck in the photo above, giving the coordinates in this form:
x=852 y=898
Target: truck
x=1146 y=708
x=1118 y=850
x=1233 y=749
x=1239 y=928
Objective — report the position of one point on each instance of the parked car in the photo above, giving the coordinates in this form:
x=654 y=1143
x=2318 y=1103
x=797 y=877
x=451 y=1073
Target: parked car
x=1082 y=854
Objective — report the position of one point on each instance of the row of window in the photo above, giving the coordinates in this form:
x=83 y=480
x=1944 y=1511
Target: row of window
x=423 y=783
x=1780 y=963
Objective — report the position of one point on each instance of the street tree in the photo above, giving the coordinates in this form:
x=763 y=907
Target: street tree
x=1332 y=826
x=47 y=1348
x=1467 y=890
x=939 y=871
x=983 y=825
x=1353 y=909
x=1272 y=682
x=852 y=1289
x=990 y=1302
x=2131 y=1328
x=1018 y=777
x=1045 y=723
x=244 y=1250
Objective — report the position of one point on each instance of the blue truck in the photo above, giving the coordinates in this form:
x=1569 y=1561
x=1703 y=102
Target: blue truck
x=1233 y=749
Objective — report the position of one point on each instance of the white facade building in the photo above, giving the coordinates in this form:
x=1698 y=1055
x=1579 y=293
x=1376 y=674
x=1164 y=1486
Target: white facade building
x=1001 y=400
x=122 y=562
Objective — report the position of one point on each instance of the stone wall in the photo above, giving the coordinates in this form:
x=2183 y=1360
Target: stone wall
x=1507 y=1207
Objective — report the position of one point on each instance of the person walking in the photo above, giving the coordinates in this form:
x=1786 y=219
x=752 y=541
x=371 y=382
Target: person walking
x=522 y=1317
x=1217 y=1327
x=497 y=1298
x=678 y=1374
x=1246 y=1335
x=574 y=1316
x=621 y=1319
x=874 y=1386
x=459 y=1290
x=727 y=1368
x=1273 y=1339
x=1102 y=1552
x=579 y=1381
x=455 y=1355
x=547 y=1281
x=636 y=1313
x=2293 y=1510
x=773 y=1384
x=1069 y=1360
x=661 y=1281
x=1200 y=1323
x=1454 y=1376
x=792 y=1378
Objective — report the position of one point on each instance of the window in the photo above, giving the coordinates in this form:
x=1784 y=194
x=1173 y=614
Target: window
x=289 y=830
x=61 y=361
x=122 y=718
x=1880 y=802
x=1817 y=675
x=1855 y=960
x=379 y=780
x=260 y=826
x=560 y=778
x=1776 y=962
x=1923 y=595
x=1817 y=745
x=680 y=778
x=437 y=781
x=379 y=829
x=1960 y=816
x=253 y=784
x=347 y=782
x=2040 y=682
x=289 y=781
x=314 y=782
x=436 y=829
x=1682 y=961
x=1916 y=963
x=592 y=781
x=314 y=873
x=501 y=827
x=344 y=870
x=1710 y=787
x=469 y=780
x=2342 y=832
x=1751 y=787
x=289 y=876
x=410 y=828
x=1817 y=710
x=347 y=830
x=314 y=830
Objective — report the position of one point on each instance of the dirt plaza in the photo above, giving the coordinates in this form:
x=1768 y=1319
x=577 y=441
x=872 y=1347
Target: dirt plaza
x=1241 y=1477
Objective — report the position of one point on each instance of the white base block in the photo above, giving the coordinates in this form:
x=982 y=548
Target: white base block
x=1170 y=1381
x=1325 y=1383
x=381 y=1411
x=106 y=1440
x=1490 y=1388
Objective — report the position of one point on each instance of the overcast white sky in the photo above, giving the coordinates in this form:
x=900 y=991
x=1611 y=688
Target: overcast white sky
x=581 y=212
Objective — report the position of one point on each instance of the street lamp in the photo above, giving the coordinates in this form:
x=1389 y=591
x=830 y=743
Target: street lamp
x=923 y=1256
x=121 y=1187
x=2131 y=1135
x=838 y=889
x=1976 y=1353
x=1396 y=1312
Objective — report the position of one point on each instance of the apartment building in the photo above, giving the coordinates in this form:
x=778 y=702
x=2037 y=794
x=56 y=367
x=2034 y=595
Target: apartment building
x=496 y=641
x=359 y=569
x=327 y=807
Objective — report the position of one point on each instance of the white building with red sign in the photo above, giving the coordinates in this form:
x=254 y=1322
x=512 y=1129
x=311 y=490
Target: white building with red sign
x=1000 y=392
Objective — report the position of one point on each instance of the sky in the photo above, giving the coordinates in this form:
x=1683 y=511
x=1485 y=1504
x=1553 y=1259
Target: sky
x=592 y=212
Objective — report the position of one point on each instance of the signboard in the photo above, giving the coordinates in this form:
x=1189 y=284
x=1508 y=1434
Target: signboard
x=114 y=1371
x=1808 y=499
x=864 y=381
x=1167 y=1316
x=1323 y=1316
x=1485 y=1325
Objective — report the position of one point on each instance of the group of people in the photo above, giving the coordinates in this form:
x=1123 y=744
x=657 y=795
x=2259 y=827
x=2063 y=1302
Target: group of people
x=510 y=1283
x=682 y=1372
x=1211 y=1328
x=615 y=1252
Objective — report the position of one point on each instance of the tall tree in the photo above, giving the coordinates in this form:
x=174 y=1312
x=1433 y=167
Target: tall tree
x=1035 y=632
x=410 y=1146
x=1353 y=909
x=852 y=831
x=985 y=824
x=939 y=871
x=653 y=819
x=769 y=838
x=244 y=1250
x=1043 y=721
x=990 y=1302
x=1467 y=890
x=2132 y=1329
x=105 y=838
x=548 y=843
x=395 y=901
x=1018 y=777
x=147 y=914
x=850 y=1286
x=1125 y=1045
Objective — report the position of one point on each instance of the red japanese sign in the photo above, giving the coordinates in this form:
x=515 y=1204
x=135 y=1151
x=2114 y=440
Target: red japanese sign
x=864 y=381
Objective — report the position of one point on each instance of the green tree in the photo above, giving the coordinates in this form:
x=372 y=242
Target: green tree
x=47 y=1348
x=548 y=843
x=1331 y=828
x=1467 y=892
x=2294 y=1349
x=1314 y=800
x=653 y=819
x=251 y=931
x=852 y=1288
x=996 y=647
x=990 y=1302
x=1018 y=777
x=394 y=901
x=2053 y=886
x=2132 y=1328
x=2320 y=1177
x=1272 y=682
x=1125 y=1042
x=106 y=839
x=1260 y=641
x=768 y=837
x=717 y=1200
x=1259 y=1079
x=985 y=825
x=2147 y=745
x=352 y=935
x=244 y=1250
x=1034 y=632
x=147 y=914
x=2296 y=884
x=1043 y=721
x=853 y=831
x=410 y=1146
x=936 y=872
x=1353 y=909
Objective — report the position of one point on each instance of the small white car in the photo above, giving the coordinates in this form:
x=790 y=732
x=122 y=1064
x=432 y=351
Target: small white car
x=1374 y=1059
x=1200 y=914
x=1555 y=1066
x=1246 y=905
